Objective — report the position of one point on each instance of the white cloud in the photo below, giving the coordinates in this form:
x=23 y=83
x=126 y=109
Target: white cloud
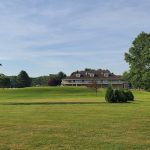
x=35 y=29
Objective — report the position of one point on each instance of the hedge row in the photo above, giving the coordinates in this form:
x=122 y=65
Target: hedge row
x=118 y=96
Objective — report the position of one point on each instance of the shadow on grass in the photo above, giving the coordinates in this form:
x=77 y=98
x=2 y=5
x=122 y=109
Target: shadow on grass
x=48 y=103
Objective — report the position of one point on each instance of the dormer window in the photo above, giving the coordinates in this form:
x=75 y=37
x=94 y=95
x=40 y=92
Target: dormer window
x=78 y=75
x=106 y=74
x=91 y=74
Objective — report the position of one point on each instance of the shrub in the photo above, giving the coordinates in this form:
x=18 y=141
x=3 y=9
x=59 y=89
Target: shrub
x=124 y=97
x=109 y=97
x=118 y=96
x=130 y=96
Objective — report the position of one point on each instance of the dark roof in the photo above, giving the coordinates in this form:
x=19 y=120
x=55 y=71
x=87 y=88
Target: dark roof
x=98 y=74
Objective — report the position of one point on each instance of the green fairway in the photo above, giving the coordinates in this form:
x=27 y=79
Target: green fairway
x=72 y=118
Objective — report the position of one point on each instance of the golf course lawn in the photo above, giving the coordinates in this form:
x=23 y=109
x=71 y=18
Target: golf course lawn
x=72 y=118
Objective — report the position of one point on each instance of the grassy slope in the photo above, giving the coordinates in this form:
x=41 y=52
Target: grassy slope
x=29 y=119
x=48 y=94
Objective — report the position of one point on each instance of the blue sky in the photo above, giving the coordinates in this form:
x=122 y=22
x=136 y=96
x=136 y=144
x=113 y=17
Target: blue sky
x=48 y=36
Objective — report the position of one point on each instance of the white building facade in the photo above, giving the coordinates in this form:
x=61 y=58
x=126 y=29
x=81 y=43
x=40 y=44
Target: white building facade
x=102 y=78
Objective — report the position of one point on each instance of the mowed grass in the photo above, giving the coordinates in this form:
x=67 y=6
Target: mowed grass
x=51 y=94
x=72 y=118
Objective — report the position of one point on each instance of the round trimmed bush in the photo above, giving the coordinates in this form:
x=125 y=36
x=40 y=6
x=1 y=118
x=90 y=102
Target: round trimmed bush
x=109 y=97
x=120 y=96
x=130 y=96
x=116 y=96
x=124 y=97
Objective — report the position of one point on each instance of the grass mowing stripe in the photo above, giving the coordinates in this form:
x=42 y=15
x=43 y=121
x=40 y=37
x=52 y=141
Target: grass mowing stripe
x=72 y=118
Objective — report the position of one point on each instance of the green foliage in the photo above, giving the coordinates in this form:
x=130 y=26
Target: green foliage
x=88 y=69
x=146 y=80
x=129 y=95
x=138 y=58
x=40 y=81
x=13 y=81
x=126 y=77
x=109 y=97
x=61 y=75
x=53 y=82
x=4 y=81
x=55 y=79
x=23 y=80
x=123 y=96
x=118 y=96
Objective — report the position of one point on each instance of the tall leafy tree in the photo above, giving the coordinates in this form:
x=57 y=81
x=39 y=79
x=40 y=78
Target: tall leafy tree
x=60 y=76
x=138 y=58
x=55 y=79
x=24 y=80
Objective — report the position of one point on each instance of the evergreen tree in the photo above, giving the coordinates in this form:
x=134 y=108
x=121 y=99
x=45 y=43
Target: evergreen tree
x=23 y=80
x=109 y=97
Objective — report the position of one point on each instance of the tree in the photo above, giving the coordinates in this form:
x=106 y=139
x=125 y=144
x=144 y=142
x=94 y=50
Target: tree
x=60 y=76
x=4 y=81
x=126 y=77
x=40 y=81
x=52 y=82
x=23 y=80
x=13 y=81
x=55 y=79
x=138 y=58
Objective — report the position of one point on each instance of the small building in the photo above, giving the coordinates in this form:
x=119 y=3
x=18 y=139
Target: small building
x=103 y=78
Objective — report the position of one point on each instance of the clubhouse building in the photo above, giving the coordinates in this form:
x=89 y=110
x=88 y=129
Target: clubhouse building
x=103 y=78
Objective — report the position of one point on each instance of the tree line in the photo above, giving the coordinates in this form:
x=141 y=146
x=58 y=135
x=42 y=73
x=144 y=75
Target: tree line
x=23 y=80
x=138 y=75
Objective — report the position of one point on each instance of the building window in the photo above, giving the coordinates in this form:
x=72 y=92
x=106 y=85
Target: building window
x=78 y=75
x=91 y=74
x=106 y=74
